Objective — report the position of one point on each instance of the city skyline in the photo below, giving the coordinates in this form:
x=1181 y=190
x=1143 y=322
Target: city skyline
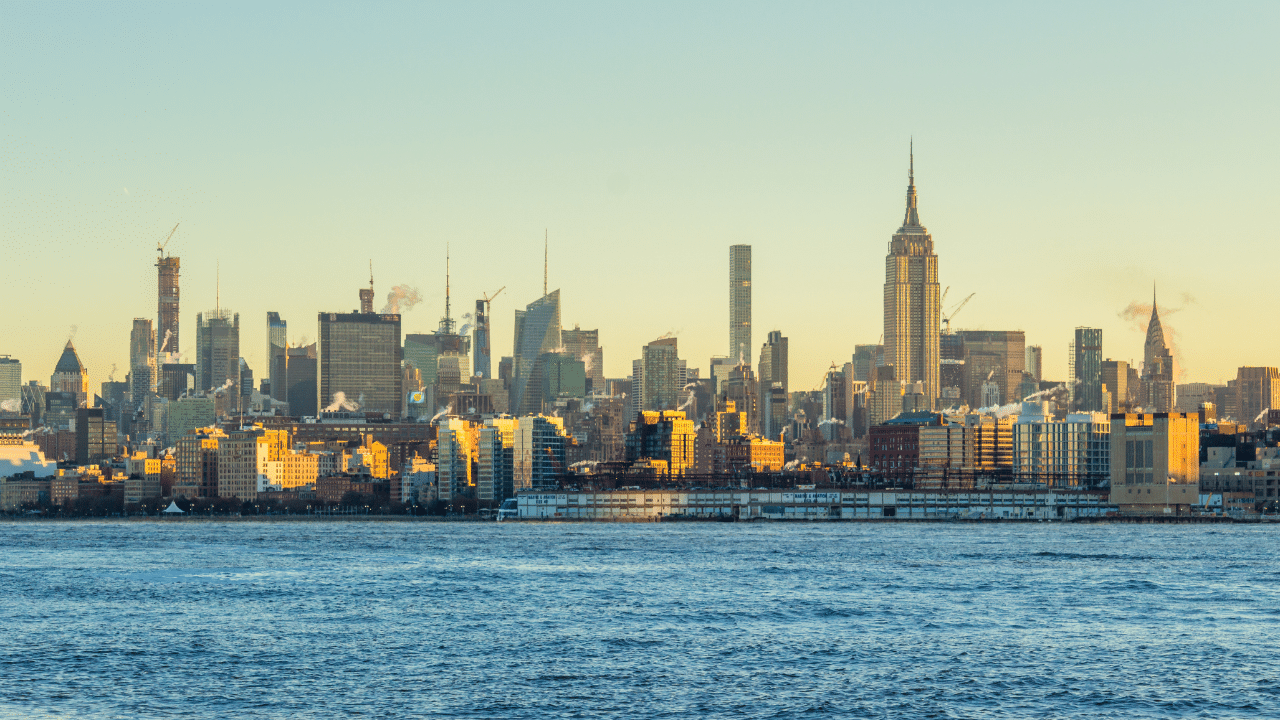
x=1055 y=223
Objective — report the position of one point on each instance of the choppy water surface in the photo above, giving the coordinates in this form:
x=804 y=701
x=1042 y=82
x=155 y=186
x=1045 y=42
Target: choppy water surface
x=289 y=620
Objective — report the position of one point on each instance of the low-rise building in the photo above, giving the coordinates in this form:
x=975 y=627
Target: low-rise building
x=1155 y=462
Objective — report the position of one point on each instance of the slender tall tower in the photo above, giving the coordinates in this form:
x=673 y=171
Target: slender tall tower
x=481 y=365
x=912 y=312
x=167 y=312
x=740 y=304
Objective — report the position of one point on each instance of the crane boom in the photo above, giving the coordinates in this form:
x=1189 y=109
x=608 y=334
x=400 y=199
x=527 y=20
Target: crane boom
x=946 y=319
x=161 y=246
x=489 y=298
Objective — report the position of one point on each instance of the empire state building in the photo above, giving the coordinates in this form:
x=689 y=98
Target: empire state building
x=912 y=312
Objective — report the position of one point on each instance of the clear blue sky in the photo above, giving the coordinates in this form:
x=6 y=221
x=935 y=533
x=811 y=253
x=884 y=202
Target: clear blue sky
x=1066 y=158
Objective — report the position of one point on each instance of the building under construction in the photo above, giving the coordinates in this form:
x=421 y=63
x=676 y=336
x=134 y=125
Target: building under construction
x=167 y=307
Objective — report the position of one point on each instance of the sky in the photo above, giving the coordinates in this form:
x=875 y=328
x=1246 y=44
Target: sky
x=1067 y=158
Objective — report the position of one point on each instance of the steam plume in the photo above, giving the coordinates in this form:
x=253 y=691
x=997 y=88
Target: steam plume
x=443 y=411
x=340 y=402
x=402 y=298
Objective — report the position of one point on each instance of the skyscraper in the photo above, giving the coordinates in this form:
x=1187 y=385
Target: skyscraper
x=300 y=373
x=537 y=331
x=1158 y=372
x=483 y=364
x=657 y=378
x=584 y=345
x=218 y=351
x=166 y=329
x=1257 y=390
x=772 y=377
x=70 y=376
x=740 y=303
x=993 y=356
x=10 y=384
x=1115 y=377
x=442 y=358
x=1087 y=365
x=142 y=361
x=277 y=357
x=360 y=358
x=1035 y=362
x=866 y=358
x=912 y=312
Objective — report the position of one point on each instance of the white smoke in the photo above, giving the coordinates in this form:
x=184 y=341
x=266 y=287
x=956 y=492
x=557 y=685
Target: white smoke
x=442 y=412
x=11 y=405
x=587 y=362
x=221 y=390
x=831 y=421
x=164 y=344
x=689 y=388
x=1262 y=415
x=1000 y=411
x=340 y=402
x=466 y=328
x=793 y=465
x=402 y=298
x=111 y=376
x=587 y=406
x=1050 y=392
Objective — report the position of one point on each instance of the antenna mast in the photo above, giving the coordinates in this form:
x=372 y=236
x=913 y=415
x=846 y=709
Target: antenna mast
x=544 y=262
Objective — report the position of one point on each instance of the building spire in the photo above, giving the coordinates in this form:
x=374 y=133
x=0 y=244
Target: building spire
x=448 y=318
x=544 y=262
x=912 y=217
x=217 y=289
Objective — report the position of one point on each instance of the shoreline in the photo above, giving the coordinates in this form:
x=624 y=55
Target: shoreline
x=1134 y=519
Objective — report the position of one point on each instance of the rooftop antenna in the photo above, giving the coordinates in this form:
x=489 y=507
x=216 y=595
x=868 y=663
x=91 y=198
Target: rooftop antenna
x=370 y=273
x=217 y=289
x=544 y=262
x=447 y=316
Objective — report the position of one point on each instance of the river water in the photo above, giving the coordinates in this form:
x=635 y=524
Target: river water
x=519 y=620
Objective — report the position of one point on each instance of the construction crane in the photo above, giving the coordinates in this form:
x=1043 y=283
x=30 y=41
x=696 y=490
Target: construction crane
x=161 y=246
x=489 y=298
x=943 y=300
x=946 y=319
x=822 y=384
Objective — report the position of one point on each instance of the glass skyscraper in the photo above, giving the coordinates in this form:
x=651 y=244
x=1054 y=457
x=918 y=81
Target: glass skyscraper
x=360 y=357
x=1088 y=370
